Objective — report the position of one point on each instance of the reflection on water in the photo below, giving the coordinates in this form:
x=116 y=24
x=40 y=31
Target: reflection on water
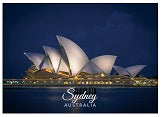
x=110 y=100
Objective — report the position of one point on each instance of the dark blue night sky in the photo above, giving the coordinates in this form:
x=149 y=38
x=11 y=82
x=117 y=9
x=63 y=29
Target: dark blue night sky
x=128 y=31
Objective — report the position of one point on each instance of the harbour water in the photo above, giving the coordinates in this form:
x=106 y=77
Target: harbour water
x=110 y=100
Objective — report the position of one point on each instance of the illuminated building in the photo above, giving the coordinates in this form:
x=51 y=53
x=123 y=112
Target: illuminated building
x=131 y=71
x=71 y=59
x=70 y=66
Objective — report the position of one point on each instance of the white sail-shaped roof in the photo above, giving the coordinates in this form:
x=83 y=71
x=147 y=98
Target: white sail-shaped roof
x=91 y=68
x=134 y=70
x=73 y=55
x=46 y=63
x=121 y=71
x=36 y=59
x=105 y=63
x=54 y=56
x=58 y=64
x=63 y=66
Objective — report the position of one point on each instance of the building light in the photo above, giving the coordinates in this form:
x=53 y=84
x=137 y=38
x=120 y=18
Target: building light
x=76 y=77
x=144 y=82
x=65 y=82
x=137 y=82
x=102 y=75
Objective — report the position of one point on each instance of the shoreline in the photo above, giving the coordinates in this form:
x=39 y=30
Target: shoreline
x=51 y=86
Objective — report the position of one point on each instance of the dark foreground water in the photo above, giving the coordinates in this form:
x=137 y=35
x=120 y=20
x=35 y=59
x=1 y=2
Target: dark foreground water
x=110 y=100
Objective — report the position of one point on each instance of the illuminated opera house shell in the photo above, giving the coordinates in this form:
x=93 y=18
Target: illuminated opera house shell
x=73 y=60
x=131 y=71
x=37 y=59
x=100 y=64
x=73 y=55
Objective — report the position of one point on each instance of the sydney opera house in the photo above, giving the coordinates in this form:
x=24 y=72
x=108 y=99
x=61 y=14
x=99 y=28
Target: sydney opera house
x=72 y=60
x=71 y=66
